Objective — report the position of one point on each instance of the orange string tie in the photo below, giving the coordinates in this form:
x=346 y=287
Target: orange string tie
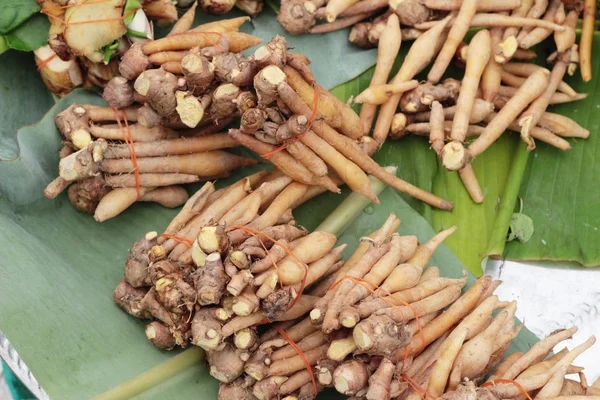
x=517 y=384
x=302 y=356
x=178 y=239
x=255 y=233
x=376 y=290
x=45 y=61
x=311 y=120
x=132 y=155
x=416 y=387
x=127 y=137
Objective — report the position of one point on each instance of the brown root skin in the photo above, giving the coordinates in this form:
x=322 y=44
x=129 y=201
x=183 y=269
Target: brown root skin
x=240 y=389
x=380 y=335
x=268 y=388
x=454 y=156
x=198 y=72
x=410 y=12
x=217 y=7
x=150 y=303
x=159 y=87
x=128 y=298
x=272 y=53
x=133 y=62
x=324 y=372
x=118 y=93
x=381 y=380
x=420 y=99
x=350 y=377
x=86 y=194
x=149 y=118
x=297 y=16
x=72 y=121
x=250 y=7
x=252 y=121
x=234 y=68
x=277 y=303
x=245 y=101
x=206 y=329
x=256 y=366
x=225 y=364
x=137 y=273
x=210 y=281
x=293 y=127
x=160 y=336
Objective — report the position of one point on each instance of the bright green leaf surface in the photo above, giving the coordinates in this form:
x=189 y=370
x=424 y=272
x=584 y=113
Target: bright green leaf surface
x=15 y=12
x=29 y=36
x=560 y=190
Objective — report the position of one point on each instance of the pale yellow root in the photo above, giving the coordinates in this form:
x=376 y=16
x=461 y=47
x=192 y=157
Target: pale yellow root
x=587 y=39
x=309 y=249
x=116 y=201
x=505 y=365
x=479 y=53
x=442 y=367
x=469 y=180
x=238 y=41
x=455 y=37
x=138 y=132
x=349 y=172
x=224 y=25
x=530 y=117
x=453 y=314
x=191 y=207
x=308 y=158
x=171 y=196
x=166 y=56
x=172 y=146
x=186 y=21
x=565 y=40
x=293 y=364
x=309 y=342
x=379 y=94
x=320 y=267
x=554 y=385
x=562 y=126
x=538 y=352
x=336 y=7
x=215 y=210
x=485 y=20
x=490 y=79
x=149 y=180
x=526 y=69
x=280 y=204
x=422 y=51
x=436 y=127
x=351 y=150
x=531 y=89
x=252 y=201
x=283 y=161
x=428 y=305
x=210 y=163
x=539 y=34
x=336 y=113
x=387 y=51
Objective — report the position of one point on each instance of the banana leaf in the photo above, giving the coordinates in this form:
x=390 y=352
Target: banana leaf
x=560 y=192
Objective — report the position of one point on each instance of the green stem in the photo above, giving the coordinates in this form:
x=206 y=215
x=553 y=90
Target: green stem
x=154 y=376
x=341 y=217
x=507 y=202
x=3 y=45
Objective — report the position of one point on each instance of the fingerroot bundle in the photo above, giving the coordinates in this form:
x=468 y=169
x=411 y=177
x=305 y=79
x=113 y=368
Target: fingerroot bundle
x=500 y=90
x=413 y=334
x=231 y=260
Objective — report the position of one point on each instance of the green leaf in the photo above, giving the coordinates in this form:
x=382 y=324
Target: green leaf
x=15 y=12
x=138 y=34
x=24 y=99
x=560 y=191
x=131 y=5
x=29 y=36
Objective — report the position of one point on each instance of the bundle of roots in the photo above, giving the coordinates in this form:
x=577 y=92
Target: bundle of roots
x=87 y=38
x=501 y=88
x=386 y=327
x=202 y=85
x=231 y=260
